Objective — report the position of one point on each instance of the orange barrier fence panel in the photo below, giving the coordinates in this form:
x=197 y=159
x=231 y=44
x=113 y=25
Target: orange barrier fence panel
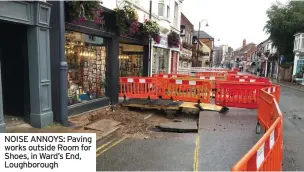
x=265 y=109
x=138 y=87
x=234 y=77
x=274 y=90
x=241 y=95
x=187 y=90
x=262 y=80
x=169 y=75
x=212 y=73
x=266 y=154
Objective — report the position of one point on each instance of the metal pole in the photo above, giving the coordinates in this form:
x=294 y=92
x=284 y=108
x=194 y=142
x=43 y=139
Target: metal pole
x=198 y=43
x=63 y=68
x=2 y=124
x=150 y=43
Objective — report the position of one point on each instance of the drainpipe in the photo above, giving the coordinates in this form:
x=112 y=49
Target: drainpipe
x=63 y=68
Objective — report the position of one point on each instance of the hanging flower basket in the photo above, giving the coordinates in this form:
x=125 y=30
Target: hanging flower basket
x=127 y=21
x=151 y=28
x=85 y=10
x=173 y=39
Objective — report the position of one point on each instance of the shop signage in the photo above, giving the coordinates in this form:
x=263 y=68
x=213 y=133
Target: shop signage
x=163 y=41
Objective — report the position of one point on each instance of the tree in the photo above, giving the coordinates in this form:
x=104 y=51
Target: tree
x=283 y=22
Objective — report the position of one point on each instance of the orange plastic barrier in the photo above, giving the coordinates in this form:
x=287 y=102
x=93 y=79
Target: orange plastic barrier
x=187 y=90
x=232 y=72
x=263 y=80
x=274 y=90
x=139 y=87
x=169 y=75
x=233 y=77
x=211 y=73
x=235 y=69
x=237 y=94
x=267 y=153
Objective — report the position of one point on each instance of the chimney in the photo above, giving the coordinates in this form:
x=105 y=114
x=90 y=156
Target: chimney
x=244 y=42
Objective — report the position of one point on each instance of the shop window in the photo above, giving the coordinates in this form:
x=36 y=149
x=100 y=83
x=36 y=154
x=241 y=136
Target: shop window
x=86 y=58
x=300 y=65
x=130 y=60
x=160 y=60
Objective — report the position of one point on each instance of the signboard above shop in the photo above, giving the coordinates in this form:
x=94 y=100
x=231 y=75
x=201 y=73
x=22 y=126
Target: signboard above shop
x=163 y=42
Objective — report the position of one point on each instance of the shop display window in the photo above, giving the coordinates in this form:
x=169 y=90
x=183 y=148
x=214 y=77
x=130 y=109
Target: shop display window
x=160 y=60
x=86 y=58
x=130 y=60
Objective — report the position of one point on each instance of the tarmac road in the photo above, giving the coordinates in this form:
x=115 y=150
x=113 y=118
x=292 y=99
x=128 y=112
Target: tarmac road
x=221 y=142
x=292 y=107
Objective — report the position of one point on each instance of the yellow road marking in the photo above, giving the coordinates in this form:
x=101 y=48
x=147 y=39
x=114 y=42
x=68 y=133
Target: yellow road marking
x=114 y=144
x=196 y=153
x=102 y=146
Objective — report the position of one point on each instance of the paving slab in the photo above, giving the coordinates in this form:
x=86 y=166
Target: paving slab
x=225 y=138
x=182 y=127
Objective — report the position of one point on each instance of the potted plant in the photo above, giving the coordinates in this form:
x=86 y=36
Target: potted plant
x=127 y=21
x=173 y=39
x=85 y=10
x=151 y=28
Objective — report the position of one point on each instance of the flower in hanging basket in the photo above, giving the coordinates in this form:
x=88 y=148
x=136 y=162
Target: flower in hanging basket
x=127 y=20
x=134 y=29
x=83 y=10
x=157 y=39
x=151 y=28
x=173 y=39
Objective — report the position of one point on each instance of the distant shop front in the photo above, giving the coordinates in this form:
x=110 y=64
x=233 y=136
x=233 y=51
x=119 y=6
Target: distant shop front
x=165 y=59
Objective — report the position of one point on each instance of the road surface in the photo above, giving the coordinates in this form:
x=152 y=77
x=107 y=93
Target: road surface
x=292 y=107
x=222 y=140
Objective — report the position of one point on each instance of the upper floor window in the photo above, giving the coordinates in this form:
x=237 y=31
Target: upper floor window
x=175 y=14
x=161 y=8
x=168 y=11
x=297 y=42
x=302 y=41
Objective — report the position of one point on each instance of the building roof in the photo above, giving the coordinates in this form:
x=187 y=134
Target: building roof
x=202 y=35
x=183 y=15
x=245 y=49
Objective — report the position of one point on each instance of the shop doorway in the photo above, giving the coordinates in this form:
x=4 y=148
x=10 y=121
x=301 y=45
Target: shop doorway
x=131 y=60
x=174 y=60
x=14 y=71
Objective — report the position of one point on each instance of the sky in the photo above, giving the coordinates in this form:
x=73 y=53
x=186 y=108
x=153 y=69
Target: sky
x=230 y=21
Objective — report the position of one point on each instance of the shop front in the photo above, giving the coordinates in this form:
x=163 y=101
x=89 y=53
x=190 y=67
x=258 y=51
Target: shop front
x=131 y=59
x=174 y=60
x=161 y=56
x=87 y=62
x=84 y=63
x=298 y=63
x=25 y=82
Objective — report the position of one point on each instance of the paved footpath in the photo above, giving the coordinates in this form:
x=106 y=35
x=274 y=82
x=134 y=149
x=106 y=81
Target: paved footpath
x=222 y=140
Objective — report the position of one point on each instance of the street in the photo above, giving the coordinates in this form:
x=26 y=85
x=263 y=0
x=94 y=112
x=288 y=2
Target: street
x=292 y=108
x=222 y=140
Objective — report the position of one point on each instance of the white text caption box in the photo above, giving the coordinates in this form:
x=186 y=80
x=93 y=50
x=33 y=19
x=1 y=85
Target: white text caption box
x=42 y=152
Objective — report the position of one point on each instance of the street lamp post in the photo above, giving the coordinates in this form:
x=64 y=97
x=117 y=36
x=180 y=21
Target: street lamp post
x=198 y=37
x=150 y=43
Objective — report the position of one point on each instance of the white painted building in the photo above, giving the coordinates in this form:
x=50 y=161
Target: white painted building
x=167 y=13
x=299 y=53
